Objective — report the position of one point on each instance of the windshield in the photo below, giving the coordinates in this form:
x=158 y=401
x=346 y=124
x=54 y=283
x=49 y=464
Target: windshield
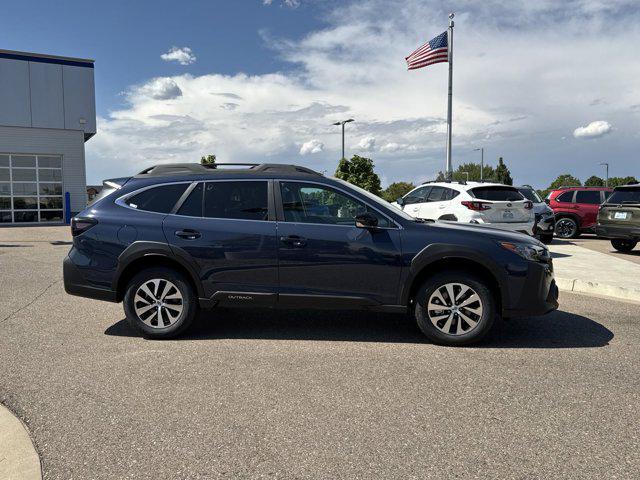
x=530 y=194
x=377 y=200
x=625 y=196
x=497 y=194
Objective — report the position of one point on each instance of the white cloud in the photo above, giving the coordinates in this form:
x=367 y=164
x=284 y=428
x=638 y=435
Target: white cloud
x=161 y=88
x=184 y=56
x=390 y=147
x=367 y=144
x=593 y=130
x=312 y=146
x=286 y=3
x=354 y=67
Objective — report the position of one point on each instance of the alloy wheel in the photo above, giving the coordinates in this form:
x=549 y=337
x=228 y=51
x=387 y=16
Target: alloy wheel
x=158 y=303
x=566 y=228
x=455 y=308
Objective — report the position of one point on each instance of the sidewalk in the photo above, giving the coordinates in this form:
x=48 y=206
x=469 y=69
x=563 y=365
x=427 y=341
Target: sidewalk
x=18 y=458
x=583 y=270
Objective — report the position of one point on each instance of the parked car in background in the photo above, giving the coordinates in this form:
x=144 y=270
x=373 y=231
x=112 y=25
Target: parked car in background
x=545 y=221
x=619 y=218
x=491 y=204
x=576 y=209
x=179 y=237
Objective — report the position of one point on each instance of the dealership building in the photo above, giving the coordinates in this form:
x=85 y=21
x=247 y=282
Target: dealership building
x=47 y=113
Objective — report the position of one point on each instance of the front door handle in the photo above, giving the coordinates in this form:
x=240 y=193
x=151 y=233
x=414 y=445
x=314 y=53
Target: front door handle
x=294 y=240
x=188 y=234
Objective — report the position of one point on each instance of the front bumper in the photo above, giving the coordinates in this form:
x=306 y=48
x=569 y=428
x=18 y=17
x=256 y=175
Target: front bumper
x=76 y=284
x=545 y=224
x=538 y=295
x=618 y=231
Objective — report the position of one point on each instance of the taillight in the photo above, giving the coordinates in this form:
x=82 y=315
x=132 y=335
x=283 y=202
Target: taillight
x=476 y=206
x=528 y=205
x=81 y=224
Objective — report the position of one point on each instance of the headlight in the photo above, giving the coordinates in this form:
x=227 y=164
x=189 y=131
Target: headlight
x=527 y=251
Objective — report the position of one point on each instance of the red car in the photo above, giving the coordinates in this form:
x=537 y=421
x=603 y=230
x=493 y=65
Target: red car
x=576 y=209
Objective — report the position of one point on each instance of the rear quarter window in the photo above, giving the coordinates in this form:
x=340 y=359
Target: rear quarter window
x=160 y=199
x=497 y=194
x=625 y=196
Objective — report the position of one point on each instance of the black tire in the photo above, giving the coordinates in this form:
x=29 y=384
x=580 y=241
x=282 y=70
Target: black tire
x=175 y=323
x=624 y=245
x=567 y=227
x=546 y=238
x=469 y=335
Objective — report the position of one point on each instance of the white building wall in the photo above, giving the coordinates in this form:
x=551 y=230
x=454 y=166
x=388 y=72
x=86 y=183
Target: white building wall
x=68 y=143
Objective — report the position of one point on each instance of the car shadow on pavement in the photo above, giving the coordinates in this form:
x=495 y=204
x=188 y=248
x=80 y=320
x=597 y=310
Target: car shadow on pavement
x=555 y=330
x=559 y=255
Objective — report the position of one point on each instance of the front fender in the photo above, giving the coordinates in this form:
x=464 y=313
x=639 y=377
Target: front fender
x=443 y=251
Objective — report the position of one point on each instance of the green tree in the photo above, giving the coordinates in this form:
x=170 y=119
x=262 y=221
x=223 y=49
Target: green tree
x=359 y=171
x=473 y=169
x=397 y=190
x=617 y=181
x=208 y=160
x=564 y=180
x=503 y=175
x=594 y=181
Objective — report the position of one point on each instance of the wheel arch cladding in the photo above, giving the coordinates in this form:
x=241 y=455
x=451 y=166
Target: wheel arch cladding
x=139 y=264
x=428 y=264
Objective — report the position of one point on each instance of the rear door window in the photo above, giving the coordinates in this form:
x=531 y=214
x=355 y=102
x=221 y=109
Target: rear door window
x=436 y=194
x=497 y=194
x=238 y=200
x=588 y=196
x=159 y=199
x=565 y=197
x=192 y=206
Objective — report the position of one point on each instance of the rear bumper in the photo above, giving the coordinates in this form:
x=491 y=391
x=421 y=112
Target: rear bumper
x=76 y=284
x=524 y=227
x=539 y=294
x=618 y=231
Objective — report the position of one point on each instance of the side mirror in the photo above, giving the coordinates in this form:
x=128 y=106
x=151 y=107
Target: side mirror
x=366 y=220
x=400 y=201
x=547 y=201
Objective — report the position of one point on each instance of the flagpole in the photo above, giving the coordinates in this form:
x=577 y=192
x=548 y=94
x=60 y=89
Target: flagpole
x=449 y=169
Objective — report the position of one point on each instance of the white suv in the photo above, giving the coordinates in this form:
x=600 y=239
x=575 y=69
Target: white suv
x=494 y=204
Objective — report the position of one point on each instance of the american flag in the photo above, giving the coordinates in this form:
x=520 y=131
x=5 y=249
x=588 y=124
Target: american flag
x=434 y=51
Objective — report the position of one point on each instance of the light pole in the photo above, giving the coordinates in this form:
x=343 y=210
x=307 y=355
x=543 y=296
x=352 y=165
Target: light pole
x=342 y=123
x=481 y=149
x=606 y=180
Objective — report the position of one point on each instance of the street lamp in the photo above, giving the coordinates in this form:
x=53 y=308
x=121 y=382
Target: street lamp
x=342 y=123
x=606 y=181
x=481 y=150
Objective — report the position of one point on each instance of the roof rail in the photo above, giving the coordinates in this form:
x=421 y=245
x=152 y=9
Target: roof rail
x=185 y=168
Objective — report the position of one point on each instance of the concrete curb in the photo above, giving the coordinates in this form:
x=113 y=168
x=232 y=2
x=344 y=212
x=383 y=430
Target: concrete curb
x=18 y=457
x=593 y=288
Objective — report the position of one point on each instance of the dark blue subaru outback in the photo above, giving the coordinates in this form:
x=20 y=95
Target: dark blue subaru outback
x=180 y=237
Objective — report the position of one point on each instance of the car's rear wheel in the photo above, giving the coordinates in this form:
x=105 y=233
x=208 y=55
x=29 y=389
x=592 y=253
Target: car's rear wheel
x=455 y=308
x=624 y=245
x=567 y=227
x=160 y=303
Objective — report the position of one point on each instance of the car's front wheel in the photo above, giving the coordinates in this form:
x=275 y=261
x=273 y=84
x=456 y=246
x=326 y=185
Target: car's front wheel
x=160 y=303
x=546 y=238
x=455 y=308
x=567 y=228
x=624 y=245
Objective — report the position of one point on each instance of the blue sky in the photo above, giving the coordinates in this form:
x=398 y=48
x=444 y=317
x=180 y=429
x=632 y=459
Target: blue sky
x=551 y=86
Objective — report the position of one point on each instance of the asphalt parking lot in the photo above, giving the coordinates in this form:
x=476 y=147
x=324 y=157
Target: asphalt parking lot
x=255 y=394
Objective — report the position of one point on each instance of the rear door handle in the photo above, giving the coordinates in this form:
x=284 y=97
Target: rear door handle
x=294 y=240
x=188 y=234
